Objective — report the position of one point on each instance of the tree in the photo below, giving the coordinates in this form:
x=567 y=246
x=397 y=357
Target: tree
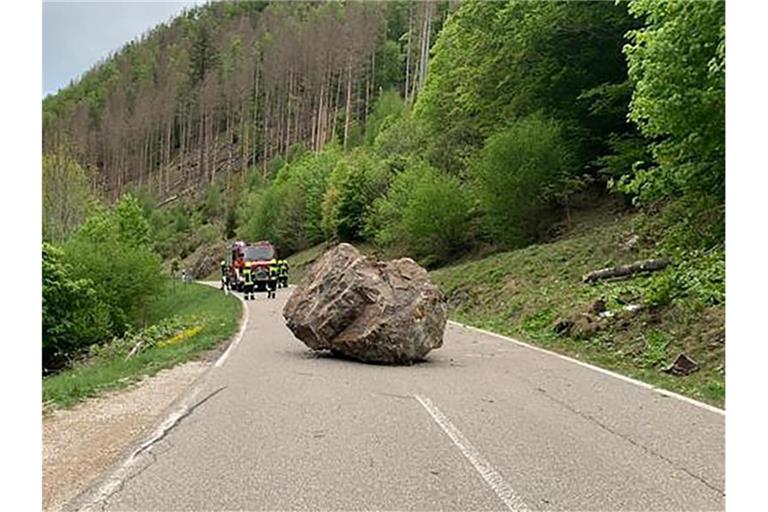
x=73 y=315
x=355 y=183
x=495 y=62
x=677 y=67
x=67 y=197
x=131 y=224
x=518 y=173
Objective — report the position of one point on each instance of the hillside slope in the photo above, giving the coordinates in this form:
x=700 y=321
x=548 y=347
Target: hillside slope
x=533 y=292
x=649 y=319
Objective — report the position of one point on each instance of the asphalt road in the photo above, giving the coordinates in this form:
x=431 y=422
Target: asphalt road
x=485 y=424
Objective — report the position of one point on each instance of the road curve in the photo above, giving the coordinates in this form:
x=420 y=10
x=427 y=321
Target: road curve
x=485 y=424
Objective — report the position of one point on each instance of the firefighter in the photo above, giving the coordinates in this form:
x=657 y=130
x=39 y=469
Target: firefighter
x=274 y=271
x=248 y=281
x=283 y=273
x=224 y=277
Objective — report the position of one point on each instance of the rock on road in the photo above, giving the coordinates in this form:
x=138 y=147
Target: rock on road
x=484 y=424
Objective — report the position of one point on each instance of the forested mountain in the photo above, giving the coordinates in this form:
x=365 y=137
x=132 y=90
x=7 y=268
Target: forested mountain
x=230 y=85
x=439 y=130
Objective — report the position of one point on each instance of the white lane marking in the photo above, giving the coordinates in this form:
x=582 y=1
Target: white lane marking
x=492 y=477
x=645 y=385
x=239 y=336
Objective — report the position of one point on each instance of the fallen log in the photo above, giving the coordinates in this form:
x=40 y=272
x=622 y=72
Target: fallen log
x=626 y=270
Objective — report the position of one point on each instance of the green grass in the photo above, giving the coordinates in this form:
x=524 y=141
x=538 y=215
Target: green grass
x=523 y=293
x=194 y=304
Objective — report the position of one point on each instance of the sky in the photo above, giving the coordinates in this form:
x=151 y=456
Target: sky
x=76 y=35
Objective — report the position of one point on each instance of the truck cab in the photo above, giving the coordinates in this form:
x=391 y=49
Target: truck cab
x=259 y=255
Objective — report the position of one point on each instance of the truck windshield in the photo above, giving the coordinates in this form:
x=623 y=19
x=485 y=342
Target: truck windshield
x=259 y=252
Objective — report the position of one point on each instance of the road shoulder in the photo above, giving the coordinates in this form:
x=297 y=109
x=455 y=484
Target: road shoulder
x=82 y=442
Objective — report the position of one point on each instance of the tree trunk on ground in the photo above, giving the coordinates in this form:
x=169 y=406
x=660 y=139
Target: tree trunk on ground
x=651 y=265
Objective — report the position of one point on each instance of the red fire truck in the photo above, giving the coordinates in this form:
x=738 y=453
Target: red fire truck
x=259 y=254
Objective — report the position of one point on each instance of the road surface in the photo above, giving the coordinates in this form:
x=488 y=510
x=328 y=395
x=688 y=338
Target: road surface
x=485 y=424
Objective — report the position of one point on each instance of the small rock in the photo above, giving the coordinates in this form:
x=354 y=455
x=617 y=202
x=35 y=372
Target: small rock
x=563 y=326
x=631 y=243
x=597 y=307
x=682 y=366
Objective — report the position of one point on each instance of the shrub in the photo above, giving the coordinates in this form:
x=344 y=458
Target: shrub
x=132 y=226
x=289 y=211
x=425 y=214
x=73 y=315
x=388 y=109
x=112 y=250
x=125 y=278
x=355 y=183
x=519 y=172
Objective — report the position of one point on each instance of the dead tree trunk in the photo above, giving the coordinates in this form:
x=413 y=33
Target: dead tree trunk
x=626 y=270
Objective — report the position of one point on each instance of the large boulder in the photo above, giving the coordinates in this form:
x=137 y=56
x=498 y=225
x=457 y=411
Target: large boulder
x=373 y=311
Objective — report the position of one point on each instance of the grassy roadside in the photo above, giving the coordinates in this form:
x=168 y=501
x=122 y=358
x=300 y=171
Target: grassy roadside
x=201 y=318
x=527 y=292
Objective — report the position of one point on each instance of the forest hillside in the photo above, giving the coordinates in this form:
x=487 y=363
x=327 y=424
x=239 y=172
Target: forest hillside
x=450 y=132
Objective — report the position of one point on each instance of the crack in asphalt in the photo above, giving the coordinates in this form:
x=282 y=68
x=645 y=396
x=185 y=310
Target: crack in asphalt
x=146 y=447
x=627 y=438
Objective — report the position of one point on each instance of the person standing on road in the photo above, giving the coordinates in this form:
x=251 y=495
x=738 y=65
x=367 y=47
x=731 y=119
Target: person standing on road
x=274 y=271
x=248 y=281
x=283 y=273
x=224 y=277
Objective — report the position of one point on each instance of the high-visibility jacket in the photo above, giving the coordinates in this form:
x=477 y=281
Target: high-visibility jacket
x=247 y=276
x=274 y=269
x=283 y=267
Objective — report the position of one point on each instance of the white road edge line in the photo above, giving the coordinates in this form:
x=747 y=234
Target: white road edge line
x=116 y=479
x=492 y=477
x=239 y=336
x=645 y=385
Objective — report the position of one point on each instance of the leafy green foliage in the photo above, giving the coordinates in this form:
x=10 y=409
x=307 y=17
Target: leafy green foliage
x=677 y=66
x=131 y=224
x=701 y=276
x=655 y=352
x=112 y=249
x=289 y=211
x=495 y=62
x=518 y=173
x=177 y=306
x=425 y=214
x=388 y=109
x=356 y=181
x=67 y=198
x=73 y=315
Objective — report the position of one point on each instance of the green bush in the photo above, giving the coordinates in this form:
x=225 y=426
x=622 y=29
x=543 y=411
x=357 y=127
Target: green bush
x=73 y=315
x=356 y=181
x=289 y=212
x=388 y=109
x=132 y=226
x=425 y=214
x=519 y=172
x=112 y=250
x=401 y=139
